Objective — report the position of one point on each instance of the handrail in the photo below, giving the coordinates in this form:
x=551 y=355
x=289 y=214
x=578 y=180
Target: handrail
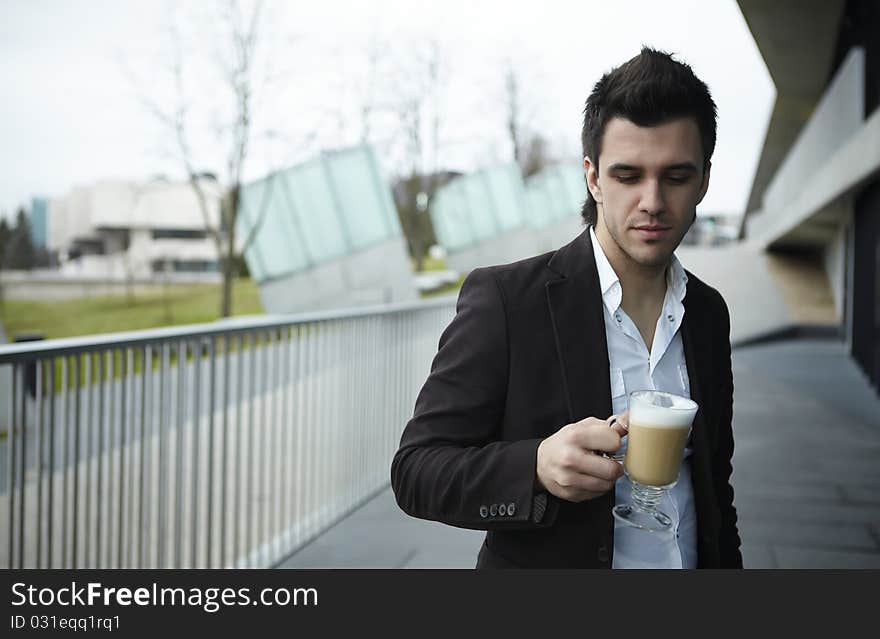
x=16 y=352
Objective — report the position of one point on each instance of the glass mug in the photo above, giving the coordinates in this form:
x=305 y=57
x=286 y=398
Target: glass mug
x=659 y=427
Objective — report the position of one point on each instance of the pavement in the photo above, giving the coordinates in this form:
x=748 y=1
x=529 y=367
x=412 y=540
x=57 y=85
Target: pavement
x=806 y=475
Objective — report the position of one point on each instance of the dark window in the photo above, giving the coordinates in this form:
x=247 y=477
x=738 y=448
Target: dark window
x=859 y=25
x=178 y=234
x=184 y=266
x=866 y=284
x=87 y=246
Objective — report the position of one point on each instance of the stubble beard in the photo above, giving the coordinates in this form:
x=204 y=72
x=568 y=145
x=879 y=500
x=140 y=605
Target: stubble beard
x=651 y=262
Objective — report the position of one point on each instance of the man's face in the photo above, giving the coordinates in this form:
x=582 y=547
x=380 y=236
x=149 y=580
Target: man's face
x=649 y=183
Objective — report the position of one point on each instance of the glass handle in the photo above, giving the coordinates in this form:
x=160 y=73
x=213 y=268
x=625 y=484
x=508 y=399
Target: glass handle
x=618 y=457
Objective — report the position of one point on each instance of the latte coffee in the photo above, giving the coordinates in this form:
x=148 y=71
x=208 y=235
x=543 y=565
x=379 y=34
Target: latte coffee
x=659 y=425
x=653 y=454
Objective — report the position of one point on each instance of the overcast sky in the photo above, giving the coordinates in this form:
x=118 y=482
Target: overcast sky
x=69 y=114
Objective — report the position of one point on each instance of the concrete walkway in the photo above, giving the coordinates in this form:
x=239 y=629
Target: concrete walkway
x=806 y=475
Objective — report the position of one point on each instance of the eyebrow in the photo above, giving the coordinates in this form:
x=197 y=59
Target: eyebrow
x=681 y=166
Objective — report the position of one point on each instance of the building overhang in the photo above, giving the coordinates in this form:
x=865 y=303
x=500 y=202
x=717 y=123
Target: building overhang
x=797 y=39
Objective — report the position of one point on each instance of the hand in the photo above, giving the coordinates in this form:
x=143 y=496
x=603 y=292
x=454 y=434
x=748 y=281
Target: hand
x=571 y=464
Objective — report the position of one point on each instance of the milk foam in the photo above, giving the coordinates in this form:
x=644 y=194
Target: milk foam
x=677 y=413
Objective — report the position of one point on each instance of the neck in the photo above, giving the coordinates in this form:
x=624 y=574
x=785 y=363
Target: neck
x=643 y=286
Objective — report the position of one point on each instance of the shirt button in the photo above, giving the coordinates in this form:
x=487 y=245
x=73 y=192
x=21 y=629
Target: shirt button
x=602 y=554
x=617 y=316
x=484 y=512
x=671 y=318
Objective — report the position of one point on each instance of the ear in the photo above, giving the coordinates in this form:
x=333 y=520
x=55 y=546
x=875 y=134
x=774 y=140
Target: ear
x=704 y=186
x=591 y=171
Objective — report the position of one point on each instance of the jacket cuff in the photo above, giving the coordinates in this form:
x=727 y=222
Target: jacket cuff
x=539 y=507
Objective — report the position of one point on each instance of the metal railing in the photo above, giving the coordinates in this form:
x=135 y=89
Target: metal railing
x=229 y=444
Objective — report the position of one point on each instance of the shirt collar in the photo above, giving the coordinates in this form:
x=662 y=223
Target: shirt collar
x=609 y=283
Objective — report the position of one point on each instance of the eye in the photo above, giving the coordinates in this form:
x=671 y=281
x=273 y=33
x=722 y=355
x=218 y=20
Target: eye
x=678 y=179
x=626 y=179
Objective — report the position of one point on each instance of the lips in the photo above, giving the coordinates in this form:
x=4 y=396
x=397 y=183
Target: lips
x=652 y=232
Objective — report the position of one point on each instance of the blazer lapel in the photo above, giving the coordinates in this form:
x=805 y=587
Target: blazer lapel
x=698 y=354
x=693 y=367
x=694 y=348
x=575 y=304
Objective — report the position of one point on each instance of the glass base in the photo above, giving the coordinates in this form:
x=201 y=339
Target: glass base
x=650 y=520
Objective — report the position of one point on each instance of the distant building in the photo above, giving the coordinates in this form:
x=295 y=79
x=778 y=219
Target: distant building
x=124 y=229
x=816 y=192
x=38 y=219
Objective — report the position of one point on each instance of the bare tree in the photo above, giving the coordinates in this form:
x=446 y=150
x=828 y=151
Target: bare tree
x=236 y=40
x=535 y=156
x=417 y=104
x=357 y=92
x=513 y=103
x=529 y=147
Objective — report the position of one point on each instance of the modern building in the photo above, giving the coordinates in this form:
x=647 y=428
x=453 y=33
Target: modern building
x=492 y=216
x=325 y=234
x=816 y=193
x=119 y=229
x=555 y=195
x=482 y=219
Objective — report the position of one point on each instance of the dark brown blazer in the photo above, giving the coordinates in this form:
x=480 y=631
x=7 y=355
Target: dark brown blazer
x=525 y=355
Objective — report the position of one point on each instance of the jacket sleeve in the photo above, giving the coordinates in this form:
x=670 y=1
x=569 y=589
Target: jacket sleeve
x=729 y=541
x=451 y=465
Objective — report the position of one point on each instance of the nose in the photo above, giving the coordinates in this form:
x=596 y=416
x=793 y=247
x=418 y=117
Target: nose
x=651 y=200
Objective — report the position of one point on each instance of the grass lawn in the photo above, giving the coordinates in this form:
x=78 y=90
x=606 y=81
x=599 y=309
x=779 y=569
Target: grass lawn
x=69 y=318
x=430 y=264
x=446 y=289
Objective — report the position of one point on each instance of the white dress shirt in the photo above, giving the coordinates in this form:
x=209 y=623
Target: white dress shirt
x=664 y=368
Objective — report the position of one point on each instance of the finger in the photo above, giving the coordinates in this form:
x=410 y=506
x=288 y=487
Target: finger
x=575 y=485
x=596 y=485
x=588 y=484
x=597 y=466
x=597 y=437
x=620 y=423
x=620 y=428
x=587 y=421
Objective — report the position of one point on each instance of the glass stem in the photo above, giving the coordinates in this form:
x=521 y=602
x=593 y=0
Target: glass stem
x=646 y=497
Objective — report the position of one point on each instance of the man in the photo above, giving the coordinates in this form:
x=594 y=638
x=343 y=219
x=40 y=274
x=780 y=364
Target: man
x=511 y=429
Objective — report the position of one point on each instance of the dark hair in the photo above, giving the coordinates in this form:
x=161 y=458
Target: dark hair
x=647 y=90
